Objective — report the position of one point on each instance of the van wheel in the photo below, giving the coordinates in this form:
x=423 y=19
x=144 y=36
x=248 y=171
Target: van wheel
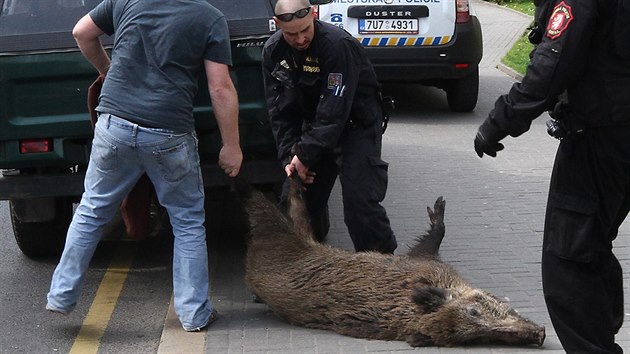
x=41 y=238
x=462 y=94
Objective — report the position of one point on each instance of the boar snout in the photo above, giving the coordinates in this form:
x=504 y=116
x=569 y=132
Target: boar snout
x=522 y=336
x=541 y=336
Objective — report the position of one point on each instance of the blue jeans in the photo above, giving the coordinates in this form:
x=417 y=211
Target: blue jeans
x=121 y=153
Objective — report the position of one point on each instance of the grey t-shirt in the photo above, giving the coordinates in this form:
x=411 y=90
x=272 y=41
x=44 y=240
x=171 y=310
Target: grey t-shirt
x=158 y=53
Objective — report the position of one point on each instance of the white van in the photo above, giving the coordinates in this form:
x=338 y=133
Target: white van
x=433 y=42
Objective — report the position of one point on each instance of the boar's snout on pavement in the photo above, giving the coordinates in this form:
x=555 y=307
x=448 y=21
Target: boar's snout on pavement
x=416 y=298
x=470 y=317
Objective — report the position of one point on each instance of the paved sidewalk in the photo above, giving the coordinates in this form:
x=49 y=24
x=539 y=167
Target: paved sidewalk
x=501 y=27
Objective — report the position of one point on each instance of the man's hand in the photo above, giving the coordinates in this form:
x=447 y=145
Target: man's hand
x=225 y=109
x=488 y=137
x=305 y=175
x=230 y=160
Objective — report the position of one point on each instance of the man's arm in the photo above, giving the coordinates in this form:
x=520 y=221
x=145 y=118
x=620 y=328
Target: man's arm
x=555 y=63
x=225 y=107
x=86 y=33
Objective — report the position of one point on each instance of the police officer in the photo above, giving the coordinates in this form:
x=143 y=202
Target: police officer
x=324 y=104
x=584 y=58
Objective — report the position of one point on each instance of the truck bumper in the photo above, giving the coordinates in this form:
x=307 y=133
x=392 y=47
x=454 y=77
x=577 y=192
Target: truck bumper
x=37 y=186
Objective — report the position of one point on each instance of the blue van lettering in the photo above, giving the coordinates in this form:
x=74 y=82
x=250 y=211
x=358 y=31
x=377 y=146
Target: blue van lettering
x=336 y=17
x=385 y=1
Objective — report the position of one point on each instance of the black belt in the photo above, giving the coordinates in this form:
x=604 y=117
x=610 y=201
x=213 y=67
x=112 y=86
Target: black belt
x=142 y=125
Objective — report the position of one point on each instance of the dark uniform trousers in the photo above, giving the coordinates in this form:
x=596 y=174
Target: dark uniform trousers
x=589 y=198
x=582 y=61
x=363 y=177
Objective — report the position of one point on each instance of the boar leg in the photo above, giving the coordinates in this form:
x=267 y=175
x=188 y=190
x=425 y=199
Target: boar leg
x=429 y=244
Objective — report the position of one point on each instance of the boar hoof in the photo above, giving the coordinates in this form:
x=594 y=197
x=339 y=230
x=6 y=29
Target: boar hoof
x=436 y=216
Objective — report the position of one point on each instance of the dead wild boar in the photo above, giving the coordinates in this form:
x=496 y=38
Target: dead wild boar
x=416 y=297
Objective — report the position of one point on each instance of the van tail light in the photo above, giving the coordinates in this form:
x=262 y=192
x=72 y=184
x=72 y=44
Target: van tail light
x=31 y=146
x=463 y=11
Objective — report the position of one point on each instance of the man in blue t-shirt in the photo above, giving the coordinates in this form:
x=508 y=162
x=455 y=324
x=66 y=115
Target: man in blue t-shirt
x=146 y=125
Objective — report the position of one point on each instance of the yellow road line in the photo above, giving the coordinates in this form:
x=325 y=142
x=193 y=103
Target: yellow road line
x=89 y=338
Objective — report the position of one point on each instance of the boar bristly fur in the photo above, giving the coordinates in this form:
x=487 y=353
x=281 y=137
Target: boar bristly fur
x=415 y=298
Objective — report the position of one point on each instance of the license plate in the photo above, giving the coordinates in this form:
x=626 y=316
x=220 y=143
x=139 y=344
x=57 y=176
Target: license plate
x=388 y=26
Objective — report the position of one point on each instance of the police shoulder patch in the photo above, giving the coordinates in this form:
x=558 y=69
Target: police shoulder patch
x=559 y=21
x=335 y=80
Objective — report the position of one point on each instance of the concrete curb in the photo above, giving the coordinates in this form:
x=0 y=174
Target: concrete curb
x=175 y=340
x=510 y=72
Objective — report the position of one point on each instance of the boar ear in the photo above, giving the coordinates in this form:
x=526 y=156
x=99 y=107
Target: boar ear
x=430 y=298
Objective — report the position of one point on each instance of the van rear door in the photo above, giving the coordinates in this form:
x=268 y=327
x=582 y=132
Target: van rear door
x=379 y=23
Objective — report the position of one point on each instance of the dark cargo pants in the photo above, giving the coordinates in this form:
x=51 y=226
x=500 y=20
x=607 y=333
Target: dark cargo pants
x=589 y=198
x=363 y=176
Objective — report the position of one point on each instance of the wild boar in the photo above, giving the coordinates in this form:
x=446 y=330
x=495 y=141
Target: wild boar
x=415 y=298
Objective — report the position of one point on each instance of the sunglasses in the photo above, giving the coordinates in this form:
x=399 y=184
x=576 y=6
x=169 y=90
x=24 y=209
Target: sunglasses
x=286 y=17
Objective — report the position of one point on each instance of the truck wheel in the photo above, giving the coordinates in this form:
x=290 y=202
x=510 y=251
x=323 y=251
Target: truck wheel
x=462 y=94
x=41 y=238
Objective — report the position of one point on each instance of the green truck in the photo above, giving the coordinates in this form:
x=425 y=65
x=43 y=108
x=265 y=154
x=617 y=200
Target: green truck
x=45 y=131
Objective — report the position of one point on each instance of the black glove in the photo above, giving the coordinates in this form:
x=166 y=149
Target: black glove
x=487 y=139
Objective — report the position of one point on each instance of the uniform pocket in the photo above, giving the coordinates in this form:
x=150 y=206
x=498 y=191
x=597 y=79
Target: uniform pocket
x=174 y=162
x=366 y=110
x=379 y=174
x=573 y=230
x=284 y=75
x=284 y=89
x=545 y=59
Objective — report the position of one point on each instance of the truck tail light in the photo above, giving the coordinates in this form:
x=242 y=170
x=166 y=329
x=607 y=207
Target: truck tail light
x=30 y=146
x=463 y=11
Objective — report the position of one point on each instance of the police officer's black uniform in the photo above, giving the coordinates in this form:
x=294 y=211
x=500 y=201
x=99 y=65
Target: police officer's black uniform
x=585 y=57
x=326 y=101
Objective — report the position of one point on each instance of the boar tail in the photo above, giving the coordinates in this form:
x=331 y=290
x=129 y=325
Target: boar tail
x=428 y=245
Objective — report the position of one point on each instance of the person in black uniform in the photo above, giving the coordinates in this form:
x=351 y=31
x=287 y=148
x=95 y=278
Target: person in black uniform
x=327 y=118
x=580 y=71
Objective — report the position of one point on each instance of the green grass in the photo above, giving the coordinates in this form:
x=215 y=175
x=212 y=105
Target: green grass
x=524 y=6
x=517 y=57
